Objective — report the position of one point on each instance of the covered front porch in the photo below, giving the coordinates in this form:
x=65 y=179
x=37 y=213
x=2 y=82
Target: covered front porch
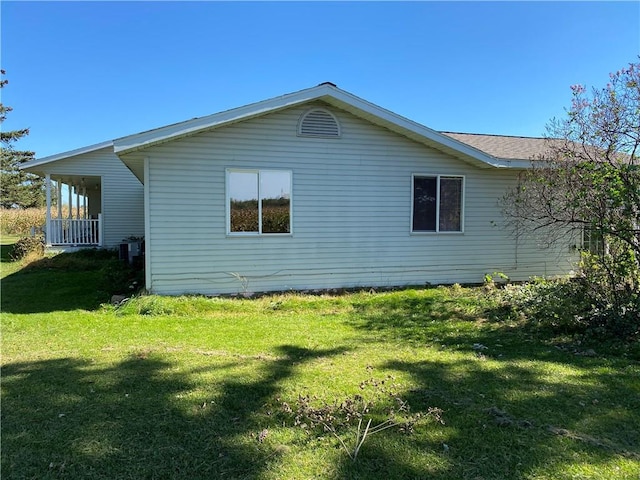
x=74 y=211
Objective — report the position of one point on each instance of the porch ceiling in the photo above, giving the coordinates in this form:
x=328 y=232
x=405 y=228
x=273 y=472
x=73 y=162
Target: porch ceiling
x=90 y=182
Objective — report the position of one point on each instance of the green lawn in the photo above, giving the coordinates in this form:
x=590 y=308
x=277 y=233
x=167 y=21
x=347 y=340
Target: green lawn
x=194 y=388
x=6 y=244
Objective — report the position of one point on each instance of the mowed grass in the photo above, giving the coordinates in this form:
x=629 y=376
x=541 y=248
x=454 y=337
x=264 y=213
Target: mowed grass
x=192 y=387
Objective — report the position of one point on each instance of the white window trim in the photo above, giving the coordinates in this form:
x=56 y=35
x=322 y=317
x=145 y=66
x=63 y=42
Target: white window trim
x=437 y=231
x=228 y=203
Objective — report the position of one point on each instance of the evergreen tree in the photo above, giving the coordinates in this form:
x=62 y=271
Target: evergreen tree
x=18 y=189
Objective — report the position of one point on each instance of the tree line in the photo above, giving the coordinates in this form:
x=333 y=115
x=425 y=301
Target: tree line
x=18 y=189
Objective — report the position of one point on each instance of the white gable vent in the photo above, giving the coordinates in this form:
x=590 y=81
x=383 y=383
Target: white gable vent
x=319 y=122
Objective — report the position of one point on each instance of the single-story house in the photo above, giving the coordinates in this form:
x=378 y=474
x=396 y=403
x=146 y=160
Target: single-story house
x=310 y=190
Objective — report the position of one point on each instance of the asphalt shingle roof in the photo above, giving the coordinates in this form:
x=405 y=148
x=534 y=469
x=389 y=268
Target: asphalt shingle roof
x=502 y=146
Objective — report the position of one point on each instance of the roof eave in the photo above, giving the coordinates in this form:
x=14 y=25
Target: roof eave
x=413 y=130
x=139 y=141
x=324 y=92
x=512 y=163
x=64 y=155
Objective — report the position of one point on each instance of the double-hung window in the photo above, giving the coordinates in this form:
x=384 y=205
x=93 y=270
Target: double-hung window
x=258 y=202
x=437 y=203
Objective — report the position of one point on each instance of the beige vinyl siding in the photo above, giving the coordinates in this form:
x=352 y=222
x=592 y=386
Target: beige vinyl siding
x=122 y=198
x=351 y=217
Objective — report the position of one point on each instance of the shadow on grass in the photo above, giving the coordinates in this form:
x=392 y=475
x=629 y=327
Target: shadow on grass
x=436 y=318
x=66 y=418
x=68 y=281
x=510 y=423
x=5 y=250
x=507 y=415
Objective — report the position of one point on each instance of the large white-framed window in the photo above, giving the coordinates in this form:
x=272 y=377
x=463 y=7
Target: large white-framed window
x=258 y=201
x=437 y=203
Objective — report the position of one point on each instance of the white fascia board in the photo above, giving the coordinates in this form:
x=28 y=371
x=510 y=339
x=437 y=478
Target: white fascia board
x=512 y=163
x=61 y=156
x=332 y=95
x=142 y=140
x=417 y=131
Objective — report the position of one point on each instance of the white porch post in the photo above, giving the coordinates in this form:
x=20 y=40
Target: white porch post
x=47 y=227
x=77 y=202
x=84 y=202
x=100 y=230
x=70 y=201
x=59 y=198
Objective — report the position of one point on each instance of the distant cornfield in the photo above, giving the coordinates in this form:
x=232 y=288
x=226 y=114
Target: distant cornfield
x=275 y=219
x=15 y=221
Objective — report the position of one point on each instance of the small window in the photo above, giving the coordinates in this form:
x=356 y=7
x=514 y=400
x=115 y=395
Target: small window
x=592 y=240
x=259 y=201
x=319 y=122
x=437 y=203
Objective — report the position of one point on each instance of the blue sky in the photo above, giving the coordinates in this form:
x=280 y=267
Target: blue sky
x=84 y=72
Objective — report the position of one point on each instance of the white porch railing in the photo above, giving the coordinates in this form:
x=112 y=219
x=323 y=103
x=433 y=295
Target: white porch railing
x=72 y=231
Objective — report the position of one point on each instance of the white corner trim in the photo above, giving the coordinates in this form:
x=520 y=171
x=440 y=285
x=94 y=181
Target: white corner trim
x=147 y=229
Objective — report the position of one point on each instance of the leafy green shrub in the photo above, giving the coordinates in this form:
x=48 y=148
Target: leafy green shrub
x=572 y=306
x=555 y=304
x=120 y=278
x=620 y=321
x=495 y=277
x=612 y=284
x=27 y=246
